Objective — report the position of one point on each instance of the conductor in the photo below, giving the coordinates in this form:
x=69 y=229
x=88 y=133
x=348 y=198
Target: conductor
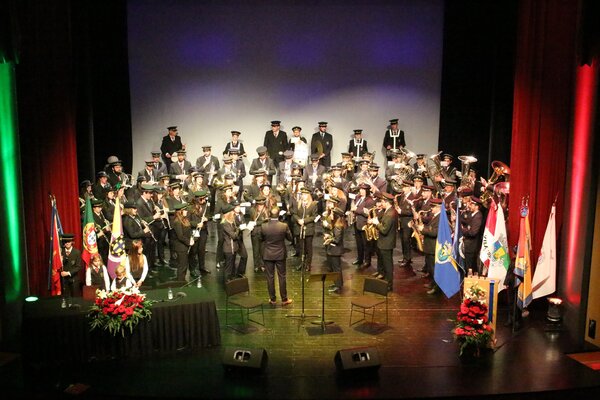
x=273 y=235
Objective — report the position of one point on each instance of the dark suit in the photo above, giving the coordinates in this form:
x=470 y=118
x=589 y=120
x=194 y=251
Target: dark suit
x=305 y=246
x=429 y=232
x=198 y=251
x=334 y=251
x=175 y=168
x=471 y=227
x=255 y=236
x=268 y=165
x=386 y=243
x=324 y=144
x=132 y=229
x=273 y=234
x=358 y=148
x=181 y=246
x=100 y=224
x=393 y=139
x=276 y=145
x=405 y=216
x=146 y=212
x=170 y=146
x=151 y=176
x=231 y=246
x=364 y=248
x=72 y=263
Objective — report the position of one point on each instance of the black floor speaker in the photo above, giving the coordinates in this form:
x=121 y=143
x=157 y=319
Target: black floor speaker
x=235 y=358
x=357 y=359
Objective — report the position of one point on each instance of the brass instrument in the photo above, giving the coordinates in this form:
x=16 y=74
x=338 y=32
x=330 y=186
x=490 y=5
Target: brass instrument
x=403 y=172
x=217 y=183
x=371 y=231
x=350 y=217
x=466 y=162
x=416 y=223
x=281 y=189
x=434 y=168
x=499 y=169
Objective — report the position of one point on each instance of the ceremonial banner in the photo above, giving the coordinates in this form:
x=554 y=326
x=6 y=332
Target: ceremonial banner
x=90 y=245
x=500 y=260
x=116 y=249
x=446 y=274
x=55 y=263
x=544 y=279
x=523 y=260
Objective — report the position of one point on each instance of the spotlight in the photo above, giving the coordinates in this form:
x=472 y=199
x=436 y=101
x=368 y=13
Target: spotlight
x=554 y=313
x=31 y=299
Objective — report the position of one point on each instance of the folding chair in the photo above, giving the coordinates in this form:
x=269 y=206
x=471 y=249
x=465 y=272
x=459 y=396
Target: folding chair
x=375 y=292
x=238 y=294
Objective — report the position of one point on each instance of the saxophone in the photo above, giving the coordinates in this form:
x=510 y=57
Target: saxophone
x=371 y=231
x=416 y=222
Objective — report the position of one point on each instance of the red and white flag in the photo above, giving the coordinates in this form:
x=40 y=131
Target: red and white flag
x=544 y=278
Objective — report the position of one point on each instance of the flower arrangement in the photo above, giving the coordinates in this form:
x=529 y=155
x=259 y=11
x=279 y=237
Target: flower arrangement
x=119 y=310
x=472 y=329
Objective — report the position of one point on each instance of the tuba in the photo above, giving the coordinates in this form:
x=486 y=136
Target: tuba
x=434 y=168
x=466 y=162
x=499 y=169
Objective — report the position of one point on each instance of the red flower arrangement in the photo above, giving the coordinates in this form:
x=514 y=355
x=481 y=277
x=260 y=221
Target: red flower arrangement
x=118 y=311
x=472 y=329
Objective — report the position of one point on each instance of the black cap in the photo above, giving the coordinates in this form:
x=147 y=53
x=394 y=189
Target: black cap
x=67 y=237
x=101 y=174
x=175 y=184
x=450 y=156
x=420 y=156
x=275 y=123
x=85 y=183
x=180 y=151
x=96 y=202
x=164 y=176
x=180 y=206
x=314 y=156
x=296 y=128
x=130 y=204
x=477 y=200
x=364 y=186
x=172 y=128
x=155 y=153
x=358 y=131
x=374 y=167
x=141 y=178
x=322 y=123
x=260 y=199
x=227 y=208
x=229 y=176
x=417 y=178
x=338 y=211
x=393 y=121
x=265 y=184
x=449 y=182
x=204 y=148
x=235 y=133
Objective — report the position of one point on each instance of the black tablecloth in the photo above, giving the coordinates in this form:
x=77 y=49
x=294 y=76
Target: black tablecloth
x=52 y=333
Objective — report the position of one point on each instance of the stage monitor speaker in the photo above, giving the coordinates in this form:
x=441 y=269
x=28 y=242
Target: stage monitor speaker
x=359 y=358
x=235 y=358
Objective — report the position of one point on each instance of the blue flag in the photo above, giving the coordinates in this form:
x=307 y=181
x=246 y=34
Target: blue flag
x=446 y=273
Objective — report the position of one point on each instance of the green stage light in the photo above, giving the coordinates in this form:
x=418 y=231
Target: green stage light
x=31 y=299
x=9 y=196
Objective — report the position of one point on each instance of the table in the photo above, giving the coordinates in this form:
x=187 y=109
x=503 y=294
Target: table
x=52 y=333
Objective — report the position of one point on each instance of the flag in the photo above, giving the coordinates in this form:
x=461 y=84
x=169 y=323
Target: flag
x=544 y=279
x=487 y=244
x=500 y=259
x=90 y=246
x=55 y=262
x=116 y=249
x=446 y=273
x=458 y=244
x=523 y=261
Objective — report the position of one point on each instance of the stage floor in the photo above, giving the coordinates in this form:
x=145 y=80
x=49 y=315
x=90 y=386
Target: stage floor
x=418 y=356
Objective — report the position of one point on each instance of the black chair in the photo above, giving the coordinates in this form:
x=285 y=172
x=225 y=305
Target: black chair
x=375 y=293
x=238 y=294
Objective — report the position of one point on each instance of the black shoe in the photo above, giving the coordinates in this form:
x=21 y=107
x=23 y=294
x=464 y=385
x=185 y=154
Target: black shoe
x=356 y=262
x=299 y=267
x=204 y=271
x=240 y=276
x=296 y=255
x=365 y=265
x=333 y=289
x=307 y=269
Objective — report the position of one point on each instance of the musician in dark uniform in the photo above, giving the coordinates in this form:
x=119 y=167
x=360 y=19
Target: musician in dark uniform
x=180 y=167
x=284 y=170
x=115 y=173
x=404 y=210
x=360 y=208
x=321 y=143
x=335 y=247
x=264 y=162
x=449 y=195
x=199 y=217
x=224 y=200
x=103 y=229
x=160 y=229
x=357 y=146
x=148 y=212
x=387 y=225
x=235 y=144
x=159 y=167
x=239 y=171
x=303 y=219
x=378 y=184
x=420 y=167
x=273 y=236
x=96 y=274
x=182 y=239
x=208 y=165
x=133 y=227
x=72 y=265
x=429 y=229
x=99 y=187
x=393 y=139
x=149 y=172
x=471 y=225
x=276 y=142
x=171 y=143
x=258 y=215
x=259 y=177
x=448 y=171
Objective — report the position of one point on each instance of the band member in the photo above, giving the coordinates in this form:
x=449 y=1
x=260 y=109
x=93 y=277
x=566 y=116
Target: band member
x=273 y=234
x=258 y=216
x=335 y=247
x=103 y=229
x=420 y=167
x=448 y=171
x=357 y=146
x=170 y=144
x=449 y=195
x=239 y=170
x=471 y=227
x=393 y=139
x=72 y=265
x=360 y=208
x=208 y=165
x=313 y=173
x=150 y=215
x=235 y=144
x=233 y=243
x=133 y=227
x=272 y=198
x=159 y=167
x=182 y=239
x=160 y=229
x=180 y=167
x=425 y=205
x=96 y=274
x=226 y=169
x=404 y=209
x=378 y=184
x=85 y=191
x=196 y=182
x=115 y=173
x=299 y=146
x=99 y=187
x=149 y=172
x=259 y=177
x=121 y=281
x=199 y=217
x=164 y=180
x=349 y=167
x=276 y=142
x=336 y=191
x=108 y=206
x=338 y=179
x=386 y=242
x=136 y=264
x=284 y=171
x=263 y=162
x=321 y=143
x=303 y=217
x=224 y=200
x=135 y=192
x=429 y=230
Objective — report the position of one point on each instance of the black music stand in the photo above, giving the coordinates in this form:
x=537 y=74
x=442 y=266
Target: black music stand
x=323 y=277
x=302 y=316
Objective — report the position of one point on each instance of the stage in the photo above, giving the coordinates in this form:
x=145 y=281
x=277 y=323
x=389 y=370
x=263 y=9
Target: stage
x=417 y=353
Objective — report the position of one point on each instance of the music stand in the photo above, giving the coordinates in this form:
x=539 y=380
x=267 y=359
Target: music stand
x=322 y=277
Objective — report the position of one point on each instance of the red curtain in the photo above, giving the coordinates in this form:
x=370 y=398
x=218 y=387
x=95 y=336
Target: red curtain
x=46 y=107
x=544 y=71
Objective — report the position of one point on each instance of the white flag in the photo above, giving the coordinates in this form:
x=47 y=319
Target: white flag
x=500 y=260
x=544 y=278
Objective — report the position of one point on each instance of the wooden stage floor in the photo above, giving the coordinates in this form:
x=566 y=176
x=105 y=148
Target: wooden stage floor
x=418 y=356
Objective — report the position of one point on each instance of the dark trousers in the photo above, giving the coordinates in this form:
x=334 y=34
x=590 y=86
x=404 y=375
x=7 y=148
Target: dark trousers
x=429 y=264
x=306 y=249
x=161 y=240
x=335 y=265
x=198 y=252
x=230 y=266
x=359 y=237
x=243 y=253
x=220 y=255
x=150 y=251
x=183 y=264
x=471 y=262
x=405 y=234
x=71 y=287
x=103 y=248
x=270 y=267
x=257 y=251
x=388 y=266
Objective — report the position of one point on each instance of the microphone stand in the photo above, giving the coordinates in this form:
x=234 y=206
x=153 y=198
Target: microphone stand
x=302 y=315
